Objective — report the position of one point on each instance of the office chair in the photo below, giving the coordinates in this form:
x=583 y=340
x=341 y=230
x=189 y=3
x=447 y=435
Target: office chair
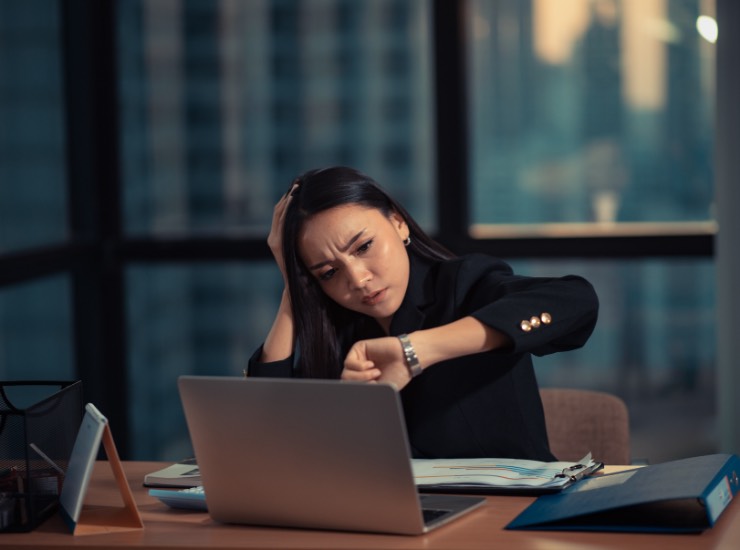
x=579 y=421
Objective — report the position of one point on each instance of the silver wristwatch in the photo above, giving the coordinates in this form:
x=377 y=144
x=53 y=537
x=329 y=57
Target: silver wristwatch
x=412 y=361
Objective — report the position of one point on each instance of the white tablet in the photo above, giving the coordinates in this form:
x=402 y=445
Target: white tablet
x=84 y=454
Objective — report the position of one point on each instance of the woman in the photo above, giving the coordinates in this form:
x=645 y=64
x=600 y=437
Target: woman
x=370 y=297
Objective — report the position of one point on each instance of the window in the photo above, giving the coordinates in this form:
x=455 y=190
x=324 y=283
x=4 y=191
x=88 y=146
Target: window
x=527 y=129
x=192 y=319
x=596 y=118
x=226 y=102
x=593 y=115
x=36 y=331
x=32 y=163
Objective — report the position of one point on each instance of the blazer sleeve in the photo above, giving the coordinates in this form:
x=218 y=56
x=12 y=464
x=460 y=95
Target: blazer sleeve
x=273 y=369
x=541 y=315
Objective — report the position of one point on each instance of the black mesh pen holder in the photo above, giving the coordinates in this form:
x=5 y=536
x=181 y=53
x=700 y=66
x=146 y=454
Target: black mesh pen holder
x=39 y=421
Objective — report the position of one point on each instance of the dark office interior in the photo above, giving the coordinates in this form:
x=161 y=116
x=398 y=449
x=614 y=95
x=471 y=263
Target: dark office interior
x=144 y=143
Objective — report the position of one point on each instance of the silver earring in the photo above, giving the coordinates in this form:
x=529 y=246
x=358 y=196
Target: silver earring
x=407 y=241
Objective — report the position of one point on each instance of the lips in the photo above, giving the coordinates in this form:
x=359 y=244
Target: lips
x=374 y=298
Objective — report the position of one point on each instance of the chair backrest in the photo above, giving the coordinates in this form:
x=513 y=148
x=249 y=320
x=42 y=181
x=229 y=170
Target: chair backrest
x=579 y=421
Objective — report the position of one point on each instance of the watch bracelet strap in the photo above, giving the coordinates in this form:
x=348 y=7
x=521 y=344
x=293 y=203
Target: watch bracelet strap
x=412 y=361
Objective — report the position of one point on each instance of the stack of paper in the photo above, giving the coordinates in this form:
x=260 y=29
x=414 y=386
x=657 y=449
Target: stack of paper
x=492 y=475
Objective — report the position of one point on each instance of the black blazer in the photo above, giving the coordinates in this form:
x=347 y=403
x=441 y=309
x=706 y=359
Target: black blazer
x=487 y=404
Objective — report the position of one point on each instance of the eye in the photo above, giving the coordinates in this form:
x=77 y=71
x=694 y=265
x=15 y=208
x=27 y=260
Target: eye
x=328 y=274
x=364 y=247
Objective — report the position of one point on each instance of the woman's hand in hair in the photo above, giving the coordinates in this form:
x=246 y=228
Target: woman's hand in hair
x=275 y=237
x=377 y=360
x=279 y=344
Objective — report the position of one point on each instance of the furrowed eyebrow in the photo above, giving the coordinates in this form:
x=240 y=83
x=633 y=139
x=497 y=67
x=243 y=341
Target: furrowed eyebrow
x=344 y=248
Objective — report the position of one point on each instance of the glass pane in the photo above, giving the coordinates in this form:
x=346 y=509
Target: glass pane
x=32 y=166
x=189 y=320
x=654 y=346
x=36 y=331
x=225 y=102
x=591 y=111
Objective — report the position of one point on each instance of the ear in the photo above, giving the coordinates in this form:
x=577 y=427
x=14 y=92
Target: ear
x=400 y=225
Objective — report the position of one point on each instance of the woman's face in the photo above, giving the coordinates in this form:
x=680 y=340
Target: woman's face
x=359 y=259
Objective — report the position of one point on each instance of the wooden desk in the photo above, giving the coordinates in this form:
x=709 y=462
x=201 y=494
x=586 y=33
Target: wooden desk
x=482 y=529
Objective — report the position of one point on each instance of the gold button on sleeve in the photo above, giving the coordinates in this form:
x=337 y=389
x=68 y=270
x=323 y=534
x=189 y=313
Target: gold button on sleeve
x=535 y=322
x=546 y=318
x=525 y=325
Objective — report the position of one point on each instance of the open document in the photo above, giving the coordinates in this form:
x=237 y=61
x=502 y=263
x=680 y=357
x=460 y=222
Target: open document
x=499 y=475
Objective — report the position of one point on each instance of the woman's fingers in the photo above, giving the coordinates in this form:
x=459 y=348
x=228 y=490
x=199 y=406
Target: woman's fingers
x=358 y=368
x=367 y=375
x=378 y=359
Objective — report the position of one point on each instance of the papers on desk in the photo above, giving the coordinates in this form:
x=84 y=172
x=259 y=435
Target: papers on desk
x=499 y=475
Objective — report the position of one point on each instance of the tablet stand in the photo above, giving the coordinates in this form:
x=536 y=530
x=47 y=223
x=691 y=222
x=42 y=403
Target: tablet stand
x=110 y=519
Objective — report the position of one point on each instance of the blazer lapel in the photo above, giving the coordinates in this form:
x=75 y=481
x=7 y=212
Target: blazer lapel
x=410 y=316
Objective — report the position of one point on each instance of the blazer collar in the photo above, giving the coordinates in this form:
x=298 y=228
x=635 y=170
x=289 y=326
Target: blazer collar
x=419 y=294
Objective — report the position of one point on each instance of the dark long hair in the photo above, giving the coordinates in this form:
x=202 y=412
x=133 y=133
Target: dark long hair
x=317 y=317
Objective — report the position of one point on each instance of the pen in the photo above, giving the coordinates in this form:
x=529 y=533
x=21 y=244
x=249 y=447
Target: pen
x=46 y=458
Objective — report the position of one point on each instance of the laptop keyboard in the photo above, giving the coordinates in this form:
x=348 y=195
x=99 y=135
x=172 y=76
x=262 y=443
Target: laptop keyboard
x=431 y=514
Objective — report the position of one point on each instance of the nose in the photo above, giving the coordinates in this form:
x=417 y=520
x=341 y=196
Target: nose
x=358 y=276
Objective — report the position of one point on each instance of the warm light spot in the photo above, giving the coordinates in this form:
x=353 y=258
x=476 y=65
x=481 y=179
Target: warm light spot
x=558 y=28
x=707 y=27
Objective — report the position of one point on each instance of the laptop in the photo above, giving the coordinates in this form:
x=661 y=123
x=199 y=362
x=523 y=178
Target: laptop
x=317 y=454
